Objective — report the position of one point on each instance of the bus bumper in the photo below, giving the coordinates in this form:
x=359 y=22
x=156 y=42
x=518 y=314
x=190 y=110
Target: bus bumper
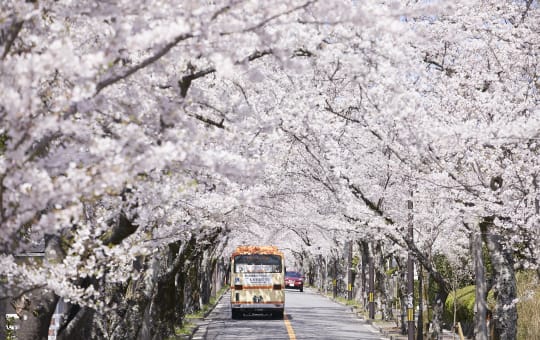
x=257 y=307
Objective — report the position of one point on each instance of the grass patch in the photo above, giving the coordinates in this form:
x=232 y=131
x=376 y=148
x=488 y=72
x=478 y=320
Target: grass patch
x=186 y=329
x=342 y=300
x=528 y=306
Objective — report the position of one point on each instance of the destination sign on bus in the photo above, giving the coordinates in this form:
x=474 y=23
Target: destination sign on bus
x=257 y=279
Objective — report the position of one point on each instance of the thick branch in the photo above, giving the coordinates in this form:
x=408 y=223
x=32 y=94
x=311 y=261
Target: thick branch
x=13 y=32
x=371 y=205
x=424 y=261
x=302 y=52
x=255 y=55
x=123 y=228
x=209 y=121
x=437 y=65
x=303 y=236
x=186 y=80
x=345 y=114
x=148 y=61
x=41 y=147
x=2 y=210
x=326 y=182
x=528 y=4
x=267 y=20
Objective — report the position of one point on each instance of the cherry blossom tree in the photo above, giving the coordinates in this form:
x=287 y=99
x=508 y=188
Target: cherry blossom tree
x=143 y=139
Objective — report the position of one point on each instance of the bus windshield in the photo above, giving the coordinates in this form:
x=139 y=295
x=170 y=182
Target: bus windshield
x=257 y=263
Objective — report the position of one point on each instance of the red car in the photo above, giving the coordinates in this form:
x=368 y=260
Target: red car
x=294 y=280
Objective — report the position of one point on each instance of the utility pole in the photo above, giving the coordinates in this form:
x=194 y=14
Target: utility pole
x=349 y=271
x=420 y=328
x=334 y=280
x=410 y=274
x=371 y=287
x=364 y=271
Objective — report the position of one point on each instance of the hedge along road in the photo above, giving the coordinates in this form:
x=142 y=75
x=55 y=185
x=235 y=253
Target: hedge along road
x=308 y=315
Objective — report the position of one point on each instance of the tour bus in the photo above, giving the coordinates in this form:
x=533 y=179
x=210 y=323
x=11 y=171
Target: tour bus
x=257 y=281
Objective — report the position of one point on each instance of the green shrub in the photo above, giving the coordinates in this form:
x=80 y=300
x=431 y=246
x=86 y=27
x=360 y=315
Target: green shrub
x=464 y=306
x=528 y=306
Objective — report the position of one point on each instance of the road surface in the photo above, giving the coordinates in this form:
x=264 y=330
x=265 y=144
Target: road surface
x=308 y=315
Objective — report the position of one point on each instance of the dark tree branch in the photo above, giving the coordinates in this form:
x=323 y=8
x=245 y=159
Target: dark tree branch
x=338 y=66
x=13 y=32
x=303 y=236
x=298 y=139
x=424 y=261
x=2 y=188
x=209 y=121
x=528 y=4
x=345 y=114
x=326 y=182
x=219 y=112
x=41 y=147
x=186 y=80
x=437 y=65
x=20 y=293
x=122 y=229
x=256 y=55
x=275 y=16
x=148 y=61
x=371 y=205
x=220 y=11
x=302 y=52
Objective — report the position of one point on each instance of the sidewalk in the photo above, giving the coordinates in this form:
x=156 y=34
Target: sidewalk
x=196 y=322
x=390 y=329
x=387 y=329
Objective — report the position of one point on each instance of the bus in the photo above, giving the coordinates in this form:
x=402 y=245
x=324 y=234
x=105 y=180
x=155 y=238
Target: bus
x=257 y=281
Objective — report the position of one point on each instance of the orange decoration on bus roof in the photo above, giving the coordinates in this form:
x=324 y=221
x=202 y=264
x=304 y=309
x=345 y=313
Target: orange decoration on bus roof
x=256 y=250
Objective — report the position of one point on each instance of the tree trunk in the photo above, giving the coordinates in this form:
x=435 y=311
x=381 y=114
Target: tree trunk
x=35 y=314
x=480 y=327
x=403 y=300
x=160 y=316
x=162 y=311
x=36 y=308
x=383 y=285
x=438 y=309
x=80 y=326
x=365 y=263
x=3 y=310
x=205 y=283
x=402 y=291
x=505 y=313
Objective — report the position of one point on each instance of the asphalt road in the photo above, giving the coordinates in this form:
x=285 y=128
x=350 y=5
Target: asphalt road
x=308 y=315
